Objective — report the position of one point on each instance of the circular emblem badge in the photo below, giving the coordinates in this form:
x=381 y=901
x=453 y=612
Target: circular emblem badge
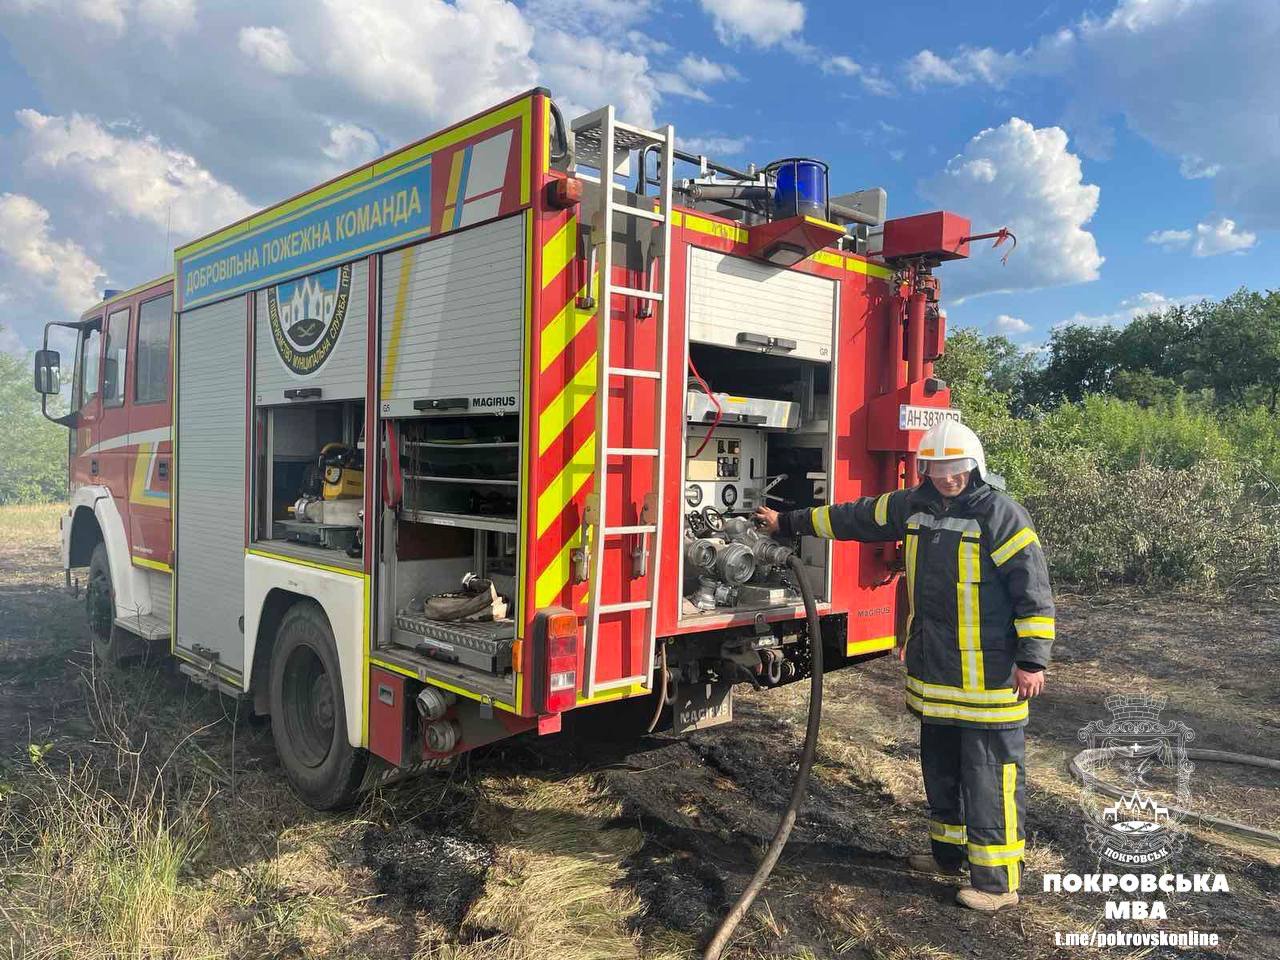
x=306 y=318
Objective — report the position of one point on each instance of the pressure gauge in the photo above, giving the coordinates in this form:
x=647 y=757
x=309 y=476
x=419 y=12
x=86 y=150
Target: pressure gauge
x=729 y=495
x=693 y=495
x=332 y=474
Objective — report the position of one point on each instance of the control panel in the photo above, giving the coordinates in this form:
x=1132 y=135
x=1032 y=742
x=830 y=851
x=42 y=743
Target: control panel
x=728 y=473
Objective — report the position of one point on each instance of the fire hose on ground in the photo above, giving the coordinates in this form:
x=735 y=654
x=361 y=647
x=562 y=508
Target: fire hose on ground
x=801 y=786
x=1084 y=777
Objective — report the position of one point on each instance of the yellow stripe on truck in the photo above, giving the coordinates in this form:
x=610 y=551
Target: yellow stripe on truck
x=559 y=413
x=565 y=485
x=397 y=321
x=559 y=250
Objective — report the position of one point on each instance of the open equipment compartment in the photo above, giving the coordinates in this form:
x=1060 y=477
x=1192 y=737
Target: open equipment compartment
x=762 y=437
x=451 y=428
x=310 y=480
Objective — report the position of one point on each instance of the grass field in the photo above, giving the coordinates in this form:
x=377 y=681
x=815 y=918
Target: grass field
x=143 y=817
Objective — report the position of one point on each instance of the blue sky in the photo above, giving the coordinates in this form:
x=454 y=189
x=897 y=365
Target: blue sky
x=1131 y=144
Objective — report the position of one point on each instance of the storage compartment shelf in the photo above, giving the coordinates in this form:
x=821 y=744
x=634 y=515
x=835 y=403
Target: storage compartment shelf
x=480 y=645
x=486 y=481
x=465 y=520
x=487 y=686
x=463 y=444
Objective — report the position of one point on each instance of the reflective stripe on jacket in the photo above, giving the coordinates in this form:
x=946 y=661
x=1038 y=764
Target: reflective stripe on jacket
x=978 y=594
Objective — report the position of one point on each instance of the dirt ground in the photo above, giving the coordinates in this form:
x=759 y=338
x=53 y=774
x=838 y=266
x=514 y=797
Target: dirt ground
x=567 y=847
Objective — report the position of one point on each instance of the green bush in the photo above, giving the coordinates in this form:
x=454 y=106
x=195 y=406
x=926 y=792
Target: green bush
x=1205 y=526
x=33 y=451
x=1159 y=488
x=1255 y=436
x=1124 y=435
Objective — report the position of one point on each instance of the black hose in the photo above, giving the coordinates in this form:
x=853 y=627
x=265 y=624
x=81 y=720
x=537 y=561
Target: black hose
x=1082 y=776
x=662 y=690
x=801 y=786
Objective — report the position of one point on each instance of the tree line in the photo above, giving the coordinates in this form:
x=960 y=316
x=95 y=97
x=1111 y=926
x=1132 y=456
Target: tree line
x=1227 y=352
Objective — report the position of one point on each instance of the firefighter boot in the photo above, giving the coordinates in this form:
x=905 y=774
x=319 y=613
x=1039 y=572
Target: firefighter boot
x=925 y=863
x=984 y=901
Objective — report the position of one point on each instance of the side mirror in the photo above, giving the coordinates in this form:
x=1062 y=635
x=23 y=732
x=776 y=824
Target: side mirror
x=48 y=374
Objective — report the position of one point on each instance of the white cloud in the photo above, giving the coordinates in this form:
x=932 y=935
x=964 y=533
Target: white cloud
x=1197 y=79
x=968 y=65
x=351 y=145
x=437 y=59
x=1010 y=326
x=1025 y=178
x=763 y=23
x=676 y=85
x=32 y=257
x=1210 y=238
x=1129 y=309
x=589 y=16
x=702 y=70
x=1169 y=239
x=1194 y=168
x=1221 y=236
x=168 y=18
x=136 y=173
x=841 y=66
x=587 y=73
x=270 y=49
x=714 y=146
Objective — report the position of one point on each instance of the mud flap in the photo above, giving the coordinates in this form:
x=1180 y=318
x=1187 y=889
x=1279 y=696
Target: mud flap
x=699 y=706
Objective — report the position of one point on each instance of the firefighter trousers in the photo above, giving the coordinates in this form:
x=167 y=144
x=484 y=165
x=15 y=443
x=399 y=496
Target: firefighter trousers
x=975 y=783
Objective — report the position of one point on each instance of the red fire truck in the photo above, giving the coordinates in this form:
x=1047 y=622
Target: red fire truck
x=470 y=437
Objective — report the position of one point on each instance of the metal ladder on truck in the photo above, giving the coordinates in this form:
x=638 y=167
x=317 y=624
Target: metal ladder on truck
x=600 y=140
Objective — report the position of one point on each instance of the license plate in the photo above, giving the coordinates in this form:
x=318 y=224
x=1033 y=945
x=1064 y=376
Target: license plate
x=702 y=705
x=922 y=418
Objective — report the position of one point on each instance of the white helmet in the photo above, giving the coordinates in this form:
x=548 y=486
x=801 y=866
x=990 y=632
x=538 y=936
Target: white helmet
x=948 y=442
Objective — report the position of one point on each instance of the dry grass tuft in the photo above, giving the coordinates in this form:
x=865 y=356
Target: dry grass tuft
x=93 y=876
x=26 y=525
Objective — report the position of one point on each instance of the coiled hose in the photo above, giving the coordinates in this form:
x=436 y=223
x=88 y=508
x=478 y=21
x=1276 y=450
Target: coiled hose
x=1079 y=771
x=801 y=786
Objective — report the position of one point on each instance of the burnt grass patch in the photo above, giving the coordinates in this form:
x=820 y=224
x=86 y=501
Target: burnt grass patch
x=433 y=862
x=709 y=804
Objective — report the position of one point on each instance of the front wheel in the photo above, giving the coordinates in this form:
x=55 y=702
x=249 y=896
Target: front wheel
x=308 y=716
x=111 y=645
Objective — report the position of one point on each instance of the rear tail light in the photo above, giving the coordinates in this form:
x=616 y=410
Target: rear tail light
x=560 y=662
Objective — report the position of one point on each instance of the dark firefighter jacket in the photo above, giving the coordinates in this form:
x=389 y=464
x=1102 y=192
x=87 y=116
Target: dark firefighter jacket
x=978 y=594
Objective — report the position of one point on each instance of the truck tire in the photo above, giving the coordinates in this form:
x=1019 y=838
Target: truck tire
x=111 y=645
x=308 y=716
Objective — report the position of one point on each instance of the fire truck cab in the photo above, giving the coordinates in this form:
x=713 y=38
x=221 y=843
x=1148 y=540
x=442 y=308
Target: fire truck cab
x=471 y=437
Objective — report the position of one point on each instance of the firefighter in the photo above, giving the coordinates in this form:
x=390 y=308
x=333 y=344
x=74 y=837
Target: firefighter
x=979 y=627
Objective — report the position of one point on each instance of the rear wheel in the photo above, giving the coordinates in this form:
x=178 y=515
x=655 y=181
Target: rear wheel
x=308 y=716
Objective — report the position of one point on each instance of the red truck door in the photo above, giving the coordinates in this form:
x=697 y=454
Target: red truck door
x=113 y=450
x=86 y=402
x=149 y=431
